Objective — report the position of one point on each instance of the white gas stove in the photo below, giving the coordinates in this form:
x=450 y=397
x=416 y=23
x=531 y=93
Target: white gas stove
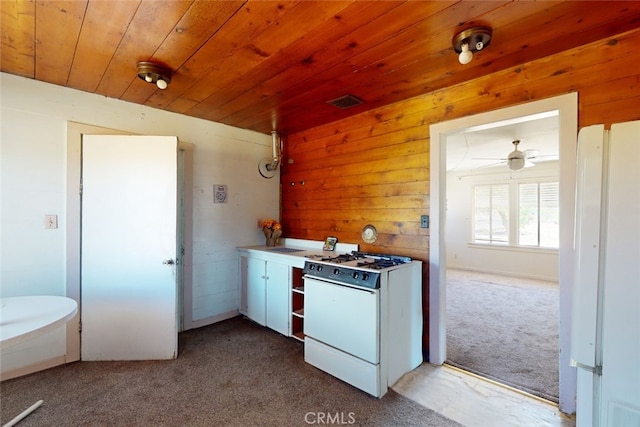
x=363 y=317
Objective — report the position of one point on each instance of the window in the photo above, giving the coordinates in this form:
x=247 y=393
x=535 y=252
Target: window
x=491 y=214
x=532 y=208
x=538 y=213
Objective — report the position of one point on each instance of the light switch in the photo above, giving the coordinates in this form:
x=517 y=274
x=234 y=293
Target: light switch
x=50 y=221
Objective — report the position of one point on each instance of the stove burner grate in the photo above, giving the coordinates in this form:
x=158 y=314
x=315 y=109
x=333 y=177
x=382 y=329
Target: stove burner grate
x=345 y=258
x=378 y=264
x=368 y=260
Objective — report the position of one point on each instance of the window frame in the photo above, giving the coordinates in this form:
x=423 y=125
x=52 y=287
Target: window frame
x=539 y=214
x=492 y=239
x=514 y=213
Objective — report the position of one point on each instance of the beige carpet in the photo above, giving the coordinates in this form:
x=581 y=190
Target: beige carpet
x=505 y=329
x=233 y=373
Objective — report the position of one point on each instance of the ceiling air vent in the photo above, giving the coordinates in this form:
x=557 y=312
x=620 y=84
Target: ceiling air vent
x=345 y=102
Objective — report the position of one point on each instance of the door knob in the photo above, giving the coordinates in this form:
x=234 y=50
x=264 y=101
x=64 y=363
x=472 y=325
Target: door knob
x=168 y=261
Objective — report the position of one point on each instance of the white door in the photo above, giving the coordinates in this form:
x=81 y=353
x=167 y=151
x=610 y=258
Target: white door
x=128 y=283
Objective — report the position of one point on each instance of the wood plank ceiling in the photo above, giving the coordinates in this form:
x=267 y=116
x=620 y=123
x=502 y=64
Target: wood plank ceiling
x=266 y=65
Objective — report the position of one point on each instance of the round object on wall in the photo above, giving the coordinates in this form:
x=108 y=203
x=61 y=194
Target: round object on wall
x=369 y=234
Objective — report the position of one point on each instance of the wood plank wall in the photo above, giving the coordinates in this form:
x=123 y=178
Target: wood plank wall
x=373 y=168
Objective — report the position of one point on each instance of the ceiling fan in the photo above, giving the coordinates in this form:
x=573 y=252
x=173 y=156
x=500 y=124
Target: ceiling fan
x=517 y=160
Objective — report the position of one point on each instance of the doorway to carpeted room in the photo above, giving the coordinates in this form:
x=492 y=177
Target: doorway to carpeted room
x=504 y=329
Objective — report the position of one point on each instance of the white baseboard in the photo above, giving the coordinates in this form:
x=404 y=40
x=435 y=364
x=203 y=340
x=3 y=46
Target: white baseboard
x=503 y=273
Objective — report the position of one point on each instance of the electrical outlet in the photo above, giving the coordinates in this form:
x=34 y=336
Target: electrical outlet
x=424 y=221
x=50 y=222
x=220 y=193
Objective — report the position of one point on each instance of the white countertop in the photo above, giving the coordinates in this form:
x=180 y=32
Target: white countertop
x=275 y=253
x=295 y=251
x=22 y=318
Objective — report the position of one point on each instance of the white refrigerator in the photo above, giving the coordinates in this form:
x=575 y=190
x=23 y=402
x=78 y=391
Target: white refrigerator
x=605 y=341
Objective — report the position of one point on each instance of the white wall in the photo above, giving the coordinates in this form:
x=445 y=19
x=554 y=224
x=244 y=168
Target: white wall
x=33 y=154
x=514 y=261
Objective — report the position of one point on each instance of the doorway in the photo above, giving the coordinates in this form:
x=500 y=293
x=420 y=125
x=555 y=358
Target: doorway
x=502 y=235
x=566 y=108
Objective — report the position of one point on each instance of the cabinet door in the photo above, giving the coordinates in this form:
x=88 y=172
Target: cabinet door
x=278 y=297
x=256 y=292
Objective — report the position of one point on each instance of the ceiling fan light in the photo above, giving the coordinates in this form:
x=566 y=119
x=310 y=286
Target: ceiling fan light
x=161 y=84
x=516 y=163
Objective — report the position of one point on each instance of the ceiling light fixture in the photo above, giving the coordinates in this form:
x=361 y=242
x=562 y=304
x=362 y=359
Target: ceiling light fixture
x=471 y=40
x=154 y=73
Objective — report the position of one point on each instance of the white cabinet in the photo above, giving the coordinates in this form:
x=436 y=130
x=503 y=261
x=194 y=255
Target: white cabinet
x=264 y=292
x=255 y=284
x=277 y=279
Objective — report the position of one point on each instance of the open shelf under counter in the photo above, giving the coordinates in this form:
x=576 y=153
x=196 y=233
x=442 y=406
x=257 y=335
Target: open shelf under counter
x=297 y=304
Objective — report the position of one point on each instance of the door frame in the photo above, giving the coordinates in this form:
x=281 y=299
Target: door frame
x=74 y=222
x=185 y=236
x=567 y=107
